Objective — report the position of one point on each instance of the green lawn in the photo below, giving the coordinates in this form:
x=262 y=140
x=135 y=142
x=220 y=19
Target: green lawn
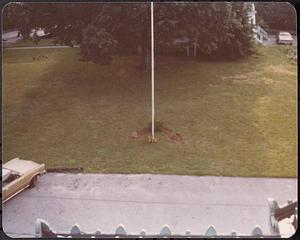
x=237 y=118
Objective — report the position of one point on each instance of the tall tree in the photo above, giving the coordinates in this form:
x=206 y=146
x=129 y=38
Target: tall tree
x=102 y=29
x=277 y=15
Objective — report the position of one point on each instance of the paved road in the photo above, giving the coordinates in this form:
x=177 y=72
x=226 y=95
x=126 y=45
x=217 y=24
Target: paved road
x=270 y=42
x=12 y=37
x=146 y=202
x=39 y=47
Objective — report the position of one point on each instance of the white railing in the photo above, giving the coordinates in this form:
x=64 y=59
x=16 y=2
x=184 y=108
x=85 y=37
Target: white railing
x=43 y=229
x=277 y=214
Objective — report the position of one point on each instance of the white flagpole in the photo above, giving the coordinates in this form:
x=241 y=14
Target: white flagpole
x=152 y=69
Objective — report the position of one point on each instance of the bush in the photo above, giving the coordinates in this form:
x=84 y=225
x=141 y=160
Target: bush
x=97 y=44
x=292 y=54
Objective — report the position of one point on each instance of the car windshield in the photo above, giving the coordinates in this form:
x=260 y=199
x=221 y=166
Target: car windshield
x=5 y=174
x=285 y=34
x=8 y=176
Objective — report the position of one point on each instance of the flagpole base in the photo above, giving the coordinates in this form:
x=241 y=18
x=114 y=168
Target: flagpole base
x=152 y=139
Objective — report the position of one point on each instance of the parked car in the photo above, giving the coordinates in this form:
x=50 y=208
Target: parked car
x=17 y=175
x=284 y=38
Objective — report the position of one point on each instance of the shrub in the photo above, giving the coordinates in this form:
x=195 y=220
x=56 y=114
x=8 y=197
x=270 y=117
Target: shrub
x=292 y=54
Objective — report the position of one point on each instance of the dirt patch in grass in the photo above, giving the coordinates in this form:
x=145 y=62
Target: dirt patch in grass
x=174 y=136
x=171 y=135
x=139 y=133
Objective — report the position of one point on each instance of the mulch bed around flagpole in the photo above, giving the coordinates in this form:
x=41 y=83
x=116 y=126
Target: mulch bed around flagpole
x=171 y=135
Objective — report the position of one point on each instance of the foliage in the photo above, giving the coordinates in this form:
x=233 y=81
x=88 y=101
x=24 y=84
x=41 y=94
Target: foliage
x=220 y=29
x=277 y=15
x=10 y=16
x=291 y=54
x=97 y=44
x=17 y=16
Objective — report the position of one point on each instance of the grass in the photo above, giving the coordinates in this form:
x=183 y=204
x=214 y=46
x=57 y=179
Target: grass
x=237 y=118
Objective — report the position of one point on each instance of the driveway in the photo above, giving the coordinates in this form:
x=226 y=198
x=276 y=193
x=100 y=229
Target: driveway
x=40 y=47
x=102 y=201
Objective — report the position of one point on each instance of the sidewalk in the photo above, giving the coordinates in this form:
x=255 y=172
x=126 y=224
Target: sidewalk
x=102 y=201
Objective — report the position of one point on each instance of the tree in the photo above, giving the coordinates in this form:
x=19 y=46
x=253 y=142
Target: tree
x=277 y=15
x=16 y=16
x=103 y=29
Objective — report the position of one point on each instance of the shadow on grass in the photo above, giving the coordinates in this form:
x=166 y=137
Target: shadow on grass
x=75 y=108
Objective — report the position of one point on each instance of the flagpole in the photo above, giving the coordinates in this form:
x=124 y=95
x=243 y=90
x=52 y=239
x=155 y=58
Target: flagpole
x=152 y=70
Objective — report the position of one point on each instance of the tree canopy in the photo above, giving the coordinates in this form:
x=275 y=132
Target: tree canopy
x=103 y=29
x=277 y=15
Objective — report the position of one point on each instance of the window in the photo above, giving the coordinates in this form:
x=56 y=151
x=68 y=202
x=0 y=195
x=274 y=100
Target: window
x=11 y=177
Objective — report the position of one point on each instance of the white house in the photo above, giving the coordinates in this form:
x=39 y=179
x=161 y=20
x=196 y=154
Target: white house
x=259 y=34
x=39 y=32
x=252 y=13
